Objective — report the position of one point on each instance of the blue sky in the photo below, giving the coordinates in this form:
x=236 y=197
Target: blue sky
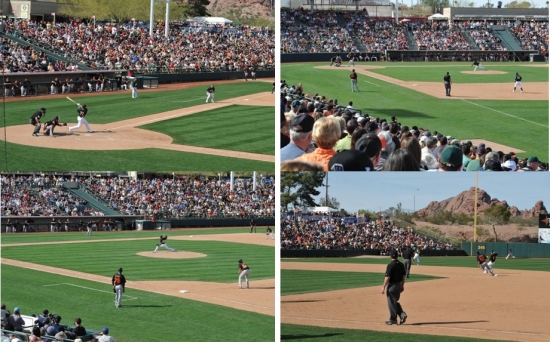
x=381 y=190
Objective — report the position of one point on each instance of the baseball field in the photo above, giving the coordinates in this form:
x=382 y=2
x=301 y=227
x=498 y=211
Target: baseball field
x=482 y=107
x=165 y=129
x=445 y=298
x=188 y=295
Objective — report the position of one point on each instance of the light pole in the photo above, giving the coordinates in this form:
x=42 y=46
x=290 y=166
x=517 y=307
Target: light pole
x=414 y=201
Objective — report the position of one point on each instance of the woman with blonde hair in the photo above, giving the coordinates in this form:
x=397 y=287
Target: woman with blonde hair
x=326 y=132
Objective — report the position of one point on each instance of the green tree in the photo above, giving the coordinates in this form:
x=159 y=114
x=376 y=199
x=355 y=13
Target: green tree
x=118 y=10
x=516 y=4
x=332 y=203
x=497 y=215
x=436 y=5
x=194 y=8
x=299 y=188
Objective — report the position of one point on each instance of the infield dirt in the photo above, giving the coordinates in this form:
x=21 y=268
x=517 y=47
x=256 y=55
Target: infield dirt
x=465 y=303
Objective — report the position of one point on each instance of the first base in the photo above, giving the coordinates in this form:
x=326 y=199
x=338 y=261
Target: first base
x=184 y=291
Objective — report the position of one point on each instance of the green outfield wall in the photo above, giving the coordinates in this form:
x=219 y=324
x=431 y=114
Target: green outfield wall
x=523 y=250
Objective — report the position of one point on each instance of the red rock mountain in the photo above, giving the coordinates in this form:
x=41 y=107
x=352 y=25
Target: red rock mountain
x=241 y=9
x=464 y=203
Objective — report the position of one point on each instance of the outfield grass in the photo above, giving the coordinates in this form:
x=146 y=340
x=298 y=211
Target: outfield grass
x=309 y=333
x=118 y=106
x=490 y=120
x=237 y=128
x=304 y=281
x=528 y=264
x=145 y=316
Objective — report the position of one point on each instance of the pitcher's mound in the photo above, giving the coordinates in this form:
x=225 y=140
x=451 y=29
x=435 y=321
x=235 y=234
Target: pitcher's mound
x=172 y=255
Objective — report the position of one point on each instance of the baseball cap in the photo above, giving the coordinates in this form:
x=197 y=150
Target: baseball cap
x=120 y=269
x=302 y=123
x=451 y=156
x=16 y=309
x=240 y=260
x=60 y=335
x=492 y=165
x=105 y=330
x=492 y=155
x=296 y=103
x=369 y=143
x=393 y=254
x=533 y=159
x=350 y=160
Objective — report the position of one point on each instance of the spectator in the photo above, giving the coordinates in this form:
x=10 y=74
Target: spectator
x=451 y=159
x=300 y=138
x=104 y=336
x=16 y=320
x=326 y=132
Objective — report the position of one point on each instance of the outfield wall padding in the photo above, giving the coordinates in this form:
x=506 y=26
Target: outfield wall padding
x=523 y=250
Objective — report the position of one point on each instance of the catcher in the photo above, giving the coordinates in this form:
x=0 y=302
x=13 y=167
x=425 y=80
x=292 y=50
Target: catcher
x=50 y=125
x=162 y=243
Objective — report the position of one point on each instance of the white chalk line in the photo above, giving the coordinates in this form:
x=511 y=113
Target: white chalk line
x=491 y=109
x=195 y=99
x=430 y=326
x=177 y=115
x=92 y=289
x=376 y=85
x=234 y=301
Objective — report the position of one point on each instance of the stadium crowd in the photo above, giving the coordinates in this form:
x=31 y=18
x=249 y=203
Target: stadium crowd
x=208 y=197
x=334 y=32
x=329 y=233
x=317 y=133
x=108 y=46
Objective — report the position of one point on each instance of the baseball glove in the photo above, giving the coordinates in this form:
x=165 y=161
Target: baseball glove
x=64 y=124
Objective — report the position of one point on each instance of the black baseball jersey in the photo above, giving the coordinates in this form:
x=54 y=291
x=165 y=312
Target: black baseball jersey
x=118 y=279
x=518 y=78
x=476 y=63
x=163 y=239
x=82 y=111
x=268 y=230
x=53 y=122
x=447 y=78
x=211 y=89
x=407 y=253
x=36 y=117
x=243 y=266
x=396 y=271
x=493 y=257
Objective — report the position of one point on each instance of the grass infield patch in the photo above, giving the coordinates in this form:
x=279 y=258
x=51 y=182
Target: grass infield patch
x=304 y=281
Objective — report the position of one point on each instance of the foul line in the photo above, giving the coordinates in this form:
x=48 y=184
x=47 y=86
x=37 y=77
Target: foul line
x=484 y=107
x=233 y=301
x=418 y=326
x=223 y=104
x=90 y=288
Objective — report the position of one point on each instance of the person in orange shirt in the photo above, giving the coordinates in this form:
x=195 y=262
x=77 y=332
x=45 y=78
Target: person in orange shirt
x=326 y=132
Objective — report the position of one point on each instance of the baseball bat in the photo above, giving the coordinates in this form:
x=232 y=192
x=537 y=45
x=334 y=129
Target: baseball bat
x=68 y=98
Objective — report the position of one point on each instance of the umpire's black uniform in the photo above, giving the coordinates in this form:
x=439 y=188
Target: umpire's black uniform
x=395 y=279
x=407 y=259
x=447 y=81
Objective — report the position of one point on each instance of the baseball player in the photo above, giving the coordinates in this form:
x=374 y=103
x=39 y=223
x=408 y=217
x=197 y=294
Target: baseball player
x=353 y=78
x=244 y=270
x=447 y=81
x=518 y=83
x=269 y=233
x=246 y=73
x=273 y=89
x=35 y=121
x=253 y=74
x=210 y=92
x=162 y=243
x=351 y=58
x=417 y=256
x=477 y=65
x=82 y=110
x=492 y=259
x=50 y=125
x=252 y=225
x=134 y=87
x=510 y=254
x=89 y=228
x=332 y=60
x=118 y=281
x=482 y=259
